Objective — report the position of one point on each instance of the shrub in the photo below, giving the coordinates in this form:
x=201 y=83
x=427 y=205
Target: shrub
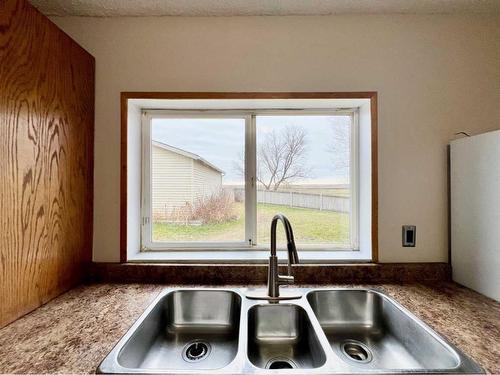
x=215 y=208
x=181 y=215
x=239 y=195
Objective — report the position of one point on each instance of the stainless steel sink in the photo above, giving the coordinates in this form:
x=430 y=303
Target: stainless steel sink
x=186 y=329
x=325 y=331
x=366 y=328
x=281 y=336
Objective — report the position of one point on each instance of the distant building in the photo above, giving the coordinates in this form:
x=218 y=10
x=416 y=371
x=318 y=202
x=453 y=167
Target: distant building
x=180 y=177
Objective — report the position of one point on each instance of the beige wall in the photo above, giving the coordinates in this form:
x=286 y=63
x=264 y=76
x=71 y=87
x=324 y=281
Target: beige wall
x=435 y=75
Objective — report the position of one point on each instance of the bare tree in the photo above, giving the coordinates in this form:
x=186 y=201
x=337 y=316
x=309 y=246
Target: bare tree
x=340 y=147
x=280 y=158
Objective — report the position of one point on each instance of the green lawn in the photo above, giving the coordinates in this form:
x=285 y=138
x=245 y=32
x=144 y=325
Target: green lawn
x=310 y=226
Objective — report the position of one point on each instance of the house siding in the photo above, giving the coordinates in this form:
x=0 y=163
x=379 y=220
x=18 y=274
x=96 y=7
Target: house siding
x=177 y=179
x=206 y=181
x=170 y=181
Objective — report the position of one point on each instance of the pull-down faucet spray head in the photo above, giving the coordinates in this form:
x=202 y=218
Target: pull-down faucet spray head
x=274 y=279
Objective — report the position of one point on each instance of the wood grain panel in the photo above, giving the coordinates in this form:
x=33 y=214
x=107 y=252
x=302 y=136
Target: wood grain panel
x=46 y=160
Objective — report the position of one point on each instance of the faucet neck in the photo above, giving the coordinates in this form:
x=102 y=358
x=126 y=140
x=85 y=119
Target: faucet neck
x=292 y=252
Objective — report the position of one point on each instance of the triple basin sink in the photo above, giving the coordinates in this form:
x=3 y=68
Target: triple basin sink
x=325 y=331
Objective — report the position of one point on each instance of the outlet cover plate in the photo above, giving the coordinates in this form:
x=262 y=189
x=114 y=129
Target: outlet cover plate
x=409 y=235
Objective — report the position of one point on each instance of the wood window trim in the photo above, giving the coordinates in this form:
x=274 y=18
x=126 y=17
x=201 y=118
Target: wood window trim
x=125 y=96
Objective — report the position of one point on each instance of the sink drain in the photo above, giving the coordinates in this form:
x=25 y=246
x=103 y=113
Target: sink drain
x=280 y=363
x=196 y=351
x=356 y=351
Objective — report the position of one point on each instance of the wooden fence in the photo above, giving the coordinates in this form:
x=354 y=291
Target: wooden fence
x=302 y=200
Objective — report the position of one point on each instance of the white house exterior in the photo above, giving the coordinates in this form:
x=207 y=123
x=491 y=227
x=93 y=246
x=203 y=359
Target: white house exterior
x=180 y=177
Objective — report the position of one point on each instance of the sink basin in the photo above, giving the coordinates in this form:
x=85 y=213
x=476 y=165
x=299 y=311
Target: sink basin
x=323 y=331
x=281 y=336
x=186 y=330
x=367 y=329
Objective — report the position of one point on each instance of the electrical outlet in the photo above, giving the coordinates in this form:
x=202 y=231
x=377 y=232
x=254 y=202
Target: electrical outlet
x=409 y=235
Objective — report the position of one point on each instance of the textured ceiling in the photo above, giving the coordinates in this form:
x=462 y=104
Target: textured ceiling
x=112 y=8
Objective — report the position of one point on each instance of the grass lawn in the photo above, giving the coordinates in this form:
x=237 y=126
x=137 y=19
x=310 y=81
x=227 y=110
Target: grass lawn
x=310 y=226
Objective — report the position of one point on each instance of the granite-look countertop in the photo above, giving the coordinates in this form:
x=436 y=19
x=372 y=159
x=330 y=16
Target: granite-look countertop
x=74 y=332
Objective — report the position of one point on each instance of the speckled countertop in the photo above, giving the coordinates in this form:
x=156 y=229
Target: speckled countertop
x=74 y=332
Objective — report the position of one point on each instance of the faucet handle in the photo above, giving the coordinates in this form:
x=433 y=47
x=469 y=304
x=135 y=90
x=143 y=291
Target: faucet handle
x=285 y=279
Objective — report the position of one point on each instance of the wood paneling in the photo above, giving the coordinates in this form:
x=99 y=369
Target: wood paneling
x=46 y=160
x=125 y=96
x=123 y=176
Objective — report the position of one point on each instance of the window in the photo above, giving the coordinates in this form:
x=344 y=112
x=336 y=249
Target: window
x=214 y=179
x=304 y=165
x=192 y=195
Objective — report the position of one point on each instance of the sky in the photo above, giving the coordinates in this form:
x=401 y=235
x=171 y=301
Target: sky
x=222 y=141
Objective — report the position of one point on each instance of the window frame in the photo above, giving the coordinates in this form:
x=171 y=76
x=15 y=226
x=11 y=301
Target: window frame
x=249 y=116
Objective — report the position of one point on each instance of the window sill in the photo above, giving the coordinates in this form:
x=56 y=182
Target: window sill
x=228 y=256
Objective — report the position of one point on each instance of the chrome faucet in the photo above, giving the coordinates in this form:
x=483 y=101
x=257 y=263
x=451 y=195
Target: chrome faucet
x=274 y=279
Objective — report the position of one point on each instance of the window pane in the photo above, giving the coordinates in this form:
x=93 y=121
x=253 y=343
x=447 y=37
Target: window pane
x=196 y=183
x=303 y=171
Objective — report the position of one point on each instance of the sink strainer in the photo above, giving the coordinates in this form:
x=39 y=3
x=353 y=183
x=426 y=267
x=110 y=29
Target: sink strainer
x=280 y=363
x=356 y=351
x=196 y=351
